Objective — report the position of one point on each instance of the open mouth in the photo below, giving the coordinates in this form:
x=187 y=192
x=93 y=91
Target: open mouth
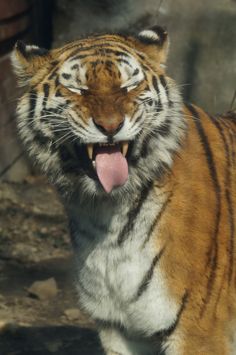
x=93 y=148
x=110 y=163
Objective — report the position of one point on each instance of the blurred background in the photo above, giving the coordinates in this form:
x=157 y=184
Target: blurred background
x=42 y=318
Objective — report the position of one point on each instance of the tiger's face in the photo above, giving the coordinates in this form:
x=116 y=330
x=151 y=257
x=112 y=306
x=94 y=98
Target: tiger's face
x=99 y=114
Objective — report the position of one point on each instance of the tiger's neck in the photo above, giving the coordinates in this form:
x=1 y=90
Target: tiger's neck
x=114 y=221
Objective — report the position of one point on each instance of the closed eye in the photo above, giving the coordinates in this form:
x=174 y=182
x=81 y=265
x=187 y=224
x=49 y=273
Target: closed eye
x=131 y=87
x=82 y=90
x=131 y=84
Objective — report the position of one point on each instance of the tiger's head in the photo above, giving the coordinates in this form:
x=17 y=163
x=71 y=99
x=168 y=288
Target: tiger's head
x=99 y=115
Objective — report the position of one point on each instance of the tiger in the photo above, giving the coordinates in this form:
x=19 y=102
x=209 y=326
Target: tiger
x=148 y=183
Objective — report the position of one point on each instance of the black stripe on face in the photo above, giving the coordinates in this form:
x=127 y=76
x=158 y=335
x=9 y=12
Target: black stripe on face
x=138 y=119
x=132 y=215
x=228 y=186
x=75 y=66
x=39 y=137
x=42 y=140
x=165 y=85
x=46 y=93
x=32 y=103
x=53 y=74
x=213 y=252
x=124 y=61
x=148 y=276
x=104 y=50
x=58 y=93
x=156 y=87
x=145 y=149
x=66 y=76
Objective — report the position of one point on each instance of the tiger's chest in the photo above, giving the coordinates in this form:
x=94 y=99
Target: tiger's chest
x=119 y=278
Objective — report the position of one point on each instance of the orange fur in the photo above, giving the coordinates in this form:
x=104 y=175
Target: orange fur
x=197 y=230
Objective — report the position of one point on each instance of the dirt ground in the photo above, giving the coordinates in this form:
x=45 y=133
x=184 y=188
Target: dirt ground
x=35 y=246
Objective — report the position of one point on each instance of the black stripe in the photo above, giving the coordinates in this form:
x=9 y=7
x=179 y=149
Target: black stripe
x=228 y=185
x=39 y=137
x=132 y=215
x=144 y=152
x=57 y=81
x=164 y=84
x=81 y=56
x=32 y=103
x=163 y=334
x=164 y=129
x=75 y=66
x=213 y=253
x=53 y=73
x=66 y=76
x=148 y=276
x=125 y=61
x=102 y=46
x=156 y=87
x=158 y=217
x=94 y=63
x=83 y=42
x=137 y=119
x=46 y=93
x=58 y=93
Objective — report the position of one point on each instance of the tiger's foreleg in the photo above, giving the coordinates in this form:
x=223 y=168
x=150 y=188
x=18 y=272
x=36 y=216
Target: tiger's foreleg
x=114 y=343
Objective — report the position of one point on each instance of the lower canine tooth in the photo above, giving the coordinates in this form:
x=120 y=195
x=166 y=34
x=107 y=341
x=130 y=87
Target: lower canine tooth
x=124 y=148
x=90 y=151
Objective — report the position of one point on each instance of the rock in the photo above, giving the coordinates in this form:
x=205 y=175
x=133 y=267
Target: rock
x=21 y=250
x=54 y=346
x=72 y=314
x=3 y=326
x=7 y=325
x=44 y=290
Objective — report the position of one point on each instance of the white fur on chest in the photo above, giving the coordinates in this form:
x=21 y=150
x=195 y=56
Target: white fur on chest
x=110 y=275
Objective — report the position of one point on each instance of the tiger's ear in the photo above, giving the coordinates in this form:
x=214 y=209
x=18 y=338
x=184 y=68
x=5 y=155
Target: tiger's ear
x=155 y=43
x=27 y=60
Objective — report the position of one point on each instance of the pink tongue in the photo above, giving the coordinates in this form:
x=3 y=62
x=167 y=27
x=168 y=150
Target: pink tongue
x=111 y=167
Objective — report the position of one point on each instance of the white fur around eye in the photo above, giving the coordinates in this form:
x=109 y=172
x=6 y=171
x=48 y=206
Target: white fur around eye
x=131 y=87
x=77 y=90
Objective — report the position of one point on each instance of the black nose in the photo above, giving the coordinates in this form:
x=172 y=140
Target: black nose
x=108 y=129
